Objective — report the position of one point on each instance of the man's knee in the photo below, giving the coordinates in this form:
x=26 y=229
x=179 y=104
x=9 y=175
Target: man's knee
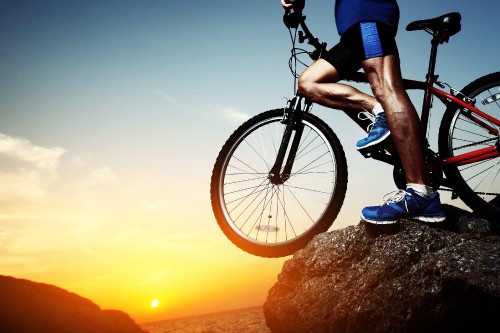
x=306 y=85
x=320 y=72
x=386 y=90
x=384 y=76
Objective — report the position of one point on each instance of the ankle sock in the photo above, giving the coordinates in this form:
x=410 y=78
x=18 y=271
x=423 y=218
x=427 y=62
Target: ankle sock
x=377 y=109
x=422 y=190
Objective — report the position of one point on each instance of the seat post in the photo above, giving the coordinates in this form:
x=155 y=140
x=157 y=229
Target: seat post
x=430 y=79
x=433 y=57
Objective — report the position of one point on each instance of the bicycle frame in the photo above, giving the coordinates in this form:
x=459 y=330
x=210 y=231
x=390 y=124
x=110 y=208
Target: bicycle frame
x=447 y=98
x=293 y=20
x=271 y=201
x=476 y=155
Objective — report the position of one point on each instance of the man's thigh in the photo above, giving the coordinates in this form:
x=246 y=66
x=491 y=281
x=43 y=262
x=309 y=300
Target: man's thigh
x=321 y=71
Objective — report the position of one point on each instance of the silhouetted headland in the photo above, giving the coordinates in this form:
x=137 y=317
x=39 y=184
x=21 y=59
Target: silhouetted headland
x=28 y=307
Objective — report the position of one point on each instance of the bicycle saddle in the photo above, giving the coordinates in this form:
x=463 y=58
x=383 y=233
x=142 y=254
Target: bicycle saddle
x=449 y=23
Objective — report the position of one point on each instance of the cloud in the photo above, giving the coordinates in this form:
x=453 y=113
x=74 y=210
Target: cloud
x=230 y=113
x=166 y=97
x=22 y=150
x=235 y=114
x=103 y=175
x=21 y=185
x=26 y=168
x=170 y=100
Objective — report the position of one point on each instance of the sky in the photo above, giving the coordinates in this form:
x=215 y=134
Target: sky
x=112 y=114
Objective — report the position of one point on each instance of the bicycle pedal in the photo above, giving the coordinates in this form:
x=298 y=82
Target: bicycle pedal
x=369 y=152
x=377 y=149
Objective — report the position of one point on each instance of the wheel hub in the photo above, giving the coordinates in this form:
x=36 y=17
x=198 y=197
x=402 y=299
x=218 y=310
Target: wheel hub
x=277 y=179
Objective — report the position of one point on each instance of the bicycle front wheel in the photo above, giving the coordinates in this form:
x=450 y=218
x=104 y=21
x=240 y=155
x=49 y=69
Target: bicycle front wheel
x=274 y=220
x=478 y=183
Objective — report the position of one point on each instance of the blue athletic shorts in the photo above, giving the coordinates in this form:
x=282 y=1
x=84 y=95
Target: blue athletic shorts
x=362 y=41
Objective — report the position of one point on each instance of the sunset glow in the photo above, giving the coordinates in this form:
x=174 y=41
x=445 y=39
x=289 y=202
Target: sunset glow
x=112 y=114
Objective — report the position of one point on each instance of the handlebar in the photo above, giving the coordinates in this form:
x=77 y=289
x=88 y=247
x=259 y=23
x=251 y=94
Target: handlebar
x=293 y=20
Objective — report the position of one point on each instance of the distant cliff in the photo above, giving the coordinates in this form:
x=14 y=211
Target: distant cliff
x=27 y=306
x=409 y=277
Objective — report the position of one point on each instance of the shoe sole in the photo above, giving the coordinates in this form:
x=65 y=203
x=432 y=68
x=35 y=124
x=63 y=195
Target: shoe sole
x=421 y=218
x=430 y=219
x=375 y=143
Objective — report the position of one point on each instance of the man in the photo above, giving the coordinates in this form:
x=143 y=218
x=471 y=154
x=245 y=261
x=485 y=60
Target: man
x=367 y=30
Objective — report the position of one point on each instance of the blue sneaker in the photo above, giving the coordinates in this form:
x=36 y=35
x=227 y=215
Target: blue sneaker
x=377 y=134
x=405 y=204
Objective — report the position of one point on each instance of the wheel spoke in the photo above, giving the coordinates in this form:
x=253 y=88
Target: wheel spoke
x=263 y=212
x=477 y=183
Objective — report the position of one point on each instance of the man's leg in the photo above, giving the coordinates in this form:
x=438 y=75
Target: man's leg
x=419 y=200
x=319 y=83
x=385 y=79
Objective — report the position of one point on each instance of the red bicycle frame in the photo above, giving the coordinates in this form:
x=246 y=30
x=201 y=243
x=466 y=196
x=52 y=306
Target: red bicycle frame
x=472 y=113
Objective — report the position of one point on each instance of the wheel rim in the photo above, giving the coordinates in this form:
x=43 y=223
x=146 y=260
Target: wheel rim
x=482 y=177
x=272 y=215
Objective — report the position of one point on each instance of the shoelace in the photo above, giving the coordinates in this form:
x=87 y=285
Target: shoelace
x=366 y=115
x=398 y=196
x=376 y=121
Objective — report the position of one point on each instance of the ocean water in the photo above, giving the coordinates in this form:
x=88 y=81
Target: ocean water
x=249 y=320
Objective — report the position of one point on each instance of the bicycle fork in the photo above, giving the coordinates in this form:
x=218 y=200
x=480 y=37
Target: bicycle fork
x=293 y=118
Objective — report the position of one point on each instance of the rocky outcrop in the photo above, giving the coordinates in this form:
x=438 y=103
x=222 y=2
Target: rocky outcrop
x=26 y=306
x=408 y=277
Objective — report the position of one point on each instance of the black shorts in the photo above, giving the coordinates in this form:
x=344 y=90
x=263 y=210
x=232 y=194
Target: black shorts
x=362 y=41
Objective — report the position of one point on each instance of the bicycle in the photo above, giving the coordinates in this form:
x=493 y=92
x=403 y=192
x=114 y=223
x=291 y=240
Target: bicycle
x=281 y=177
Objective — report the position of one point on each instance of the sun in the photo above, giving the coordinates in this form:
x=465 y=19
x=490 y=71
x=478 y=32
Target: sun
x=155 y=303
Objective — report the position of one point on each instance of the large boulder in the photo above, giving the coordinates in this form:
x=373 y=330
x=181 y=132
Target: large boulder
x=408 y=277
x=28 y=307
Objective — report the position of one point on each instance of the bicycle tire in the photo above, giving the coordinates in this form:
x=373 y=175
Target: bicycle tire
x=305 y=205
x=477 y=184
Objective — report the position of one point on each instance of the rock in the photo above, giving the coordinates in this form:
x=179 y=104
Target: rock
x=408 y=277
x=27 y=306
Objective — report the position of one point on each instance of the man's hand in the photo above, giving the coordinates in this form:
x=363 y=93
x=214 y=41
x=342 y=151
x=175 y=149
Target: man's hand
x=298 y=5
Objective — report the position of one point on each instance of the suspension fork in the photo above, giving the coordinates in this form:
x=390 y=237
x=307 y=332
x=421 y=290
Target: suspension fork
x=293 y=119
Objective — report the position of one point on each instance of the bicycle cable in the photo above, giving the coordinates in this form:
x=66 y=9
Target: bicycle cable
x=294 y=60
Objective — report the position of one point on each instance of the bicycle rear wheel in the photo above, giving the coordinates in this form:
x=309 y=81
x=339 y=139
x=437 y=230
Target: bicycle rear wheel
x=274 y=220
x=477 y=184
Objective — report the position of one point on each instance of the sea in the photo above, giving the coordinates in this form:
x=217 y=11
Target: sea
x=250 y=320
